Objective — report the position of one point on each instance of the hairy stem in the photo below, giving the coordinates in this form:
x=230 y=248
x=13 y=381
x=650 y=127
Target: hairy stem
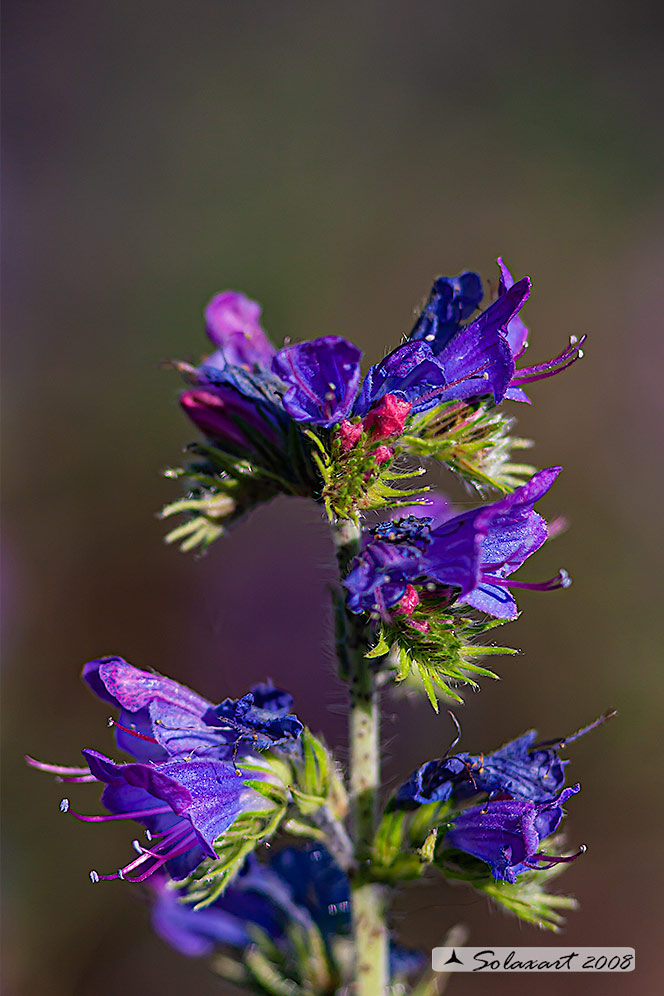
x=367 y=898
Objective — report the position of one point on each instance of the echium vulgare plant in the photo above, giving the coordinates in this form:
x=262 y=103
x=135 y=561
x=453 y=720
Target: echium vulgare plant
x=420 y=586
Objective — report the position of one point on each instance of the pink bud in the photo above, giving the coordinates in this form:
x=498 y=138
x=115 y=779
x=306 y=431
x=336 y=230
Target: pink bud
x=408 y=601
x=388 y=417
x=383 y=453
x=349 y=433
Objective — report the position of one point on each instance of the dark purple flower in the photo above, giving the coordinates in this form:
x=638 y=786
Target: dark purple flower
x=322 y=378
x=452 y=299
x=232 y=322
x=219 y=411
x=466 y=558
x=144 y=697
x=506 y=834
x=391 y=557
x=514 y=531
x=524 y=768
x=160 y=718
x=184 y=805
x=298 y=886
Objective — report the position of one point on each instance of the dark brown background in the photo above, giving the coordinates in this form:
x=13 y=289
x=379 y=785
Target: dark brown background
x=328 y=160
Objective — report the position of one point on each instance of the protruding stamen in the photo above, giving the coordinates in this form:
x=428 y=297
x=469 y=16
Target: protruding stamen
x=56 y=769
x=542 y=860
x=132 y=733
x=94 y=877
x=137 y=814
x=540 y=371
x=560 y=580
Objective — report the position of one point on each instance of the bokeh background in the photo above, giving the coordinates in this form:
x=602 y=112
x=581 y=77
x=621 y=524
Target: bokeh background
x=329 y=160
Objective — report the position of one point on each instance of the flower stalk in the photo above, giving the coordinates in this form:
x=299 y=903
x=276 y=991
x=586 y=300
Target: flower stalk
x=370 y=933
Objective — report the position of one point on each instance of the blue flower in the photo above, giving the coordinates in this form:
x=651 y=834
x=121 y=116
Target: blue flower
x=185 y=787
x=506 y=834
x=184 y=805
x=452 y=299
x=298 y=886
x=160 y=718
x=466 y=558
x=322 y=378
x=524 y=768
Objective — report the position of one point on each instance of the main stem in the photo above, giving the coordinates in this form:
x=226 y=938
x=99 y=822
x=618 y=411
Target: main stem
x=367 y=898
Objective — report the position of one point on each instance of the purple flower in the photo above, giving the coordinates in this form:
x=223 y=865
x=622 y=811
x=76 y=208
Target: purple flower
x=301 y=887
x=160 y=718
x=452 y=299
x=466 y=558
x=150 y=705
x=298 y=887
x=322 y=378
x=506 y=834
x=220 y=410
x=185 y=805
x=186 y=787
x=514 y=531
x=232 y=322
x=524 y=768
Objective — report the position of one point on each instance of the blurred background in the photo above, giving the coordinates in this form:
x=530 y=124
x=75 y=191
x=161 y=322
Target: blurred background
x=329 y=161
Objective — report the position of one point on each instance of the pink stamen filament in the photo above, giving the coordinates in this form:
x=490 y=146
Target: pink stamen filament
x=547 y=860
x=56 y=769
x=180 y=839
x=107 y=817
x=561 y=580
x=453 y=383
x=133 y=733
x=540 y=371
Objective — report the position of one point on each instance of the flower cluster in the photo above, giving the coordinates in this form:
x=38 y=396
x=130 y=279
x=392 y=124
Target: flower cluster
x=523 y=785
x=186 y=784
x=304 y=420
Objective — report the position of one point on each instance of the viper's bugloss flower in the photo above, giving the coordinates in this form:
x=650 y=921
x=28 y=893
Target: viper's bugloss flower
x=160 y=718
x=232 y=322
x=185 y=805
x=219 y=410
x=298 y=887
x=186 y=786
x=506 y=834
x=323 y=375
x=322 y=378
x=466 y=558
x=453 y=299
x=524 y=768
x=304 y=887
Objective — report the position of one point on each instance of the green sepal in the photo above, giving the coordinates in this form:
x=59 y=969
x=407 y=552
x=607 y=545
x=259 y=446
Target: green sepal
x=440 y=658
x=405 y=841
x=473 y=439
x=526 y=899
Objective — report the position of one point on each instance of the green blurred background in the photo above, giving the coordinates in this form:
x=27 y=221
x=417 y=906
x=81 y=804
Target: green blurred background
x=328 y=160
